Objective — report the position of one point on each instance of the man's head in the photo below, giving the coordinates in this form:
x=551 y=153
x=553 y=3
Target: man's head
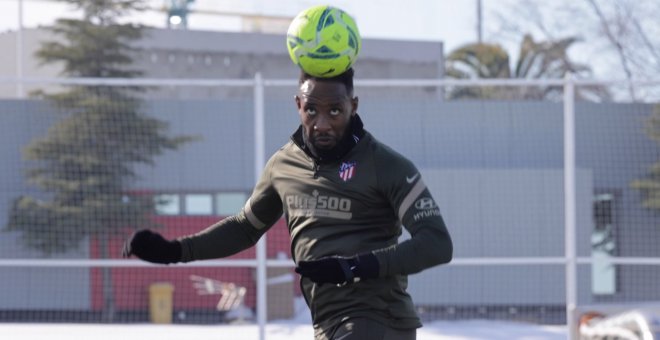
x=326 y=106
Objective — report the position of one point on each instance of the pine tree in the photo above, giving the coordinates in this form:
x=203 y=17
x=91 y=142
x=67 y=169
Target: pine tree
x=85 y=165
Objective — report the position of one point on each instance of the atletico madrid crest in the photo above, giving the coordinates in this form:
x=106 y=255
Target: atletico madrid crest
x=346 y=170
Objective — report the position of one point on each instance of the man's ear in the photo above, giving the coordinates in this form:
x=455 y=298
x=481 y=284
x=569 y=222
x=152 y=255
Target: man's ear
x=297 y=99
x=354 y=103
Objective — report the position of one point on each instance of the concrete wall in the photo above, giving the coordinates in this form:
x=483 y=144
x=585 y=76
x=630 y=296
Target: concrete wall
x=26 y=288
x=504 y=213
x=183 y=54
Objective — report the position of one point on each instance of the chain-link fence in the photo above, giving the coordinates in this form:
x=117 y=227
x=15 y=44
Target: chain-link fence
x=551 y=198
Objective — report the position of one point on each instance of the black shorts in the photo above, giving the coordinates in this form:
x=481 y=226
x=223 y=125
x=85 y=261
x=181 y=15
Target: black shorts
x=367 y=329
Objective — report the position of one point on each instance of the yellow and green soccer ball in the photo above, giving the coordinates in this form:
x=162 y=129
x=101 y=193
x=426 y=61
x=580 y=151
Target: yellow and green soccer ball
x=324 y=41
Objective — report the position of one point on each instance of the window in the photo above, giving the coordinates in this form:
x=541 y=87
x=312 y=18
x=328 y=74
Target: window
x=198 y=204
x=223 y=203
x=603 y=245
x=229 y=203
x=167 y=204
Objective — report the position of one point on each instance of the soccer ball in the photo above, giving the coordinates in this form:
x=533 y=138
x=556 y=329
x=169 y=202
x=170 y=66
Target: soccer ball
x=323 y=40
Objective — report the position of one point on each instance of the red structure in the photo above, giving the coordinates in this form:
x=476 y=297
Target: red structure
x=131 y=285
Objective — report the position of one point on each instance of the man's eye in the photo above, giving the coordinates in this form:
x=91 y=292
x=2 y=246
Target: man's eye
x=335 y=112
x=310 y=111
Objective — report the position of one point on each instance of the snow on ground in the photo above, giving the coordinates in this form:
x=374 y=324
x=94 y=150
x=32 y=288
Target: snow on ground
x=285 y=330
x=297 y=328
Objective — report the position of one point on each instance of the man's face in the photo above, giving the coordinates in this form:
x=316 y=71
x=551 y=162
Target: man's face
x=325 y=109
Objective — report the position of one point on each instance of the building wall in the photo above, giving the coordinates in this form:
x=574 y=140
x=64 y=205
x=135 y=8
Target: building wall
x=27 y=288
x=183 y=54
x=505 y=213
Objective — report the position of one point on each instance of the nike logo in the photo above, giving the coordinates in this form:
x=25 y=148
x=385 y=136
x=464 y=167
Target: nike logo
x=343 y=336
x=412 y=179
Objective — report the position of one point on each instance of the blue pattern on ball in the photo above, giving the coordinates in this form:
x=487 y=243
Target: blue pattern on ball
x=321 y=23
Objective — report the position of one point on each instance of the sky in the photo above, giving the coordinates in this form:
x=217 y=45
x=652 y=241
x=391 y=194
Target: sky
x=451 y=21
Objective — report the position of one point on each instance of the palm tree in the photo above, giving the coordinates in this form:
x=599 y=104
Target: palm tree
x=536 y=60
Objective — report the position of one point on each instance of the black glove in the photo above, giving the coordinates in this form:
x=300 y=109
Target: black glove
x=340 y=270
x=152 y=247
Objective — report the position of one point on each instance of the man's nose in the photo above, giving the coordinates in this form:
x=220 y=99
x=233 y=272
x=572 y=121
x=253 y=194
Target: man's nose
x=322 y=124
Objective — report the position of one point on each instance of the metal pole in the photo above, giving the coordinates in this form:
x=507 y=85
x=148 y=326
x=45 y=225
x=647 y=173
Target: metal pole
x=570 y=206
x=479 y=19
x=19 y=51
x=259 y=163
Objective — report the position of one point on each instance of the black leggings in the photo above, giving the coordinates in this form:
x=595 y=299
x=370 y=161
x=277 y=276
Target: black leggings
x=367 y=329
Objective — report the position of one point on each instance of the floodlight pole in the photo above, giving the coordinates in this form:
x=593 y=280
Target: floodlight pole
x=19 y=51
x=479 y=19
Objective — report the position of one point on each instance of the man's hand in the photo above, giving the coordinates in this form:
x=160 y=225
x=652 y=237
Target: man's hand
x=152 y=247
x=340 y=270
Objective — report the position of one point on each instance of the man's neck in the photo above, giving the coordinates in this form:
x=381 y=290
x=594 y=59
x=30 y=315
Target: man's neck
x=355 y=131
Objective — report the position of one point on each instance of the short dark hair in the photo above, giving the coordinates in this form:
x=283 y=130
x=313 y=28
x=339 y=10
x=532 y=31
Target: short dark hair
x=345 y=78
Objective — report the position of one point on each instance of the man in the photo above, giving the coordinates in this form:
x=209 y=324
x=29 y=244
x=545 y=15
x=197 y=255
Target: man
x=345 y=197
